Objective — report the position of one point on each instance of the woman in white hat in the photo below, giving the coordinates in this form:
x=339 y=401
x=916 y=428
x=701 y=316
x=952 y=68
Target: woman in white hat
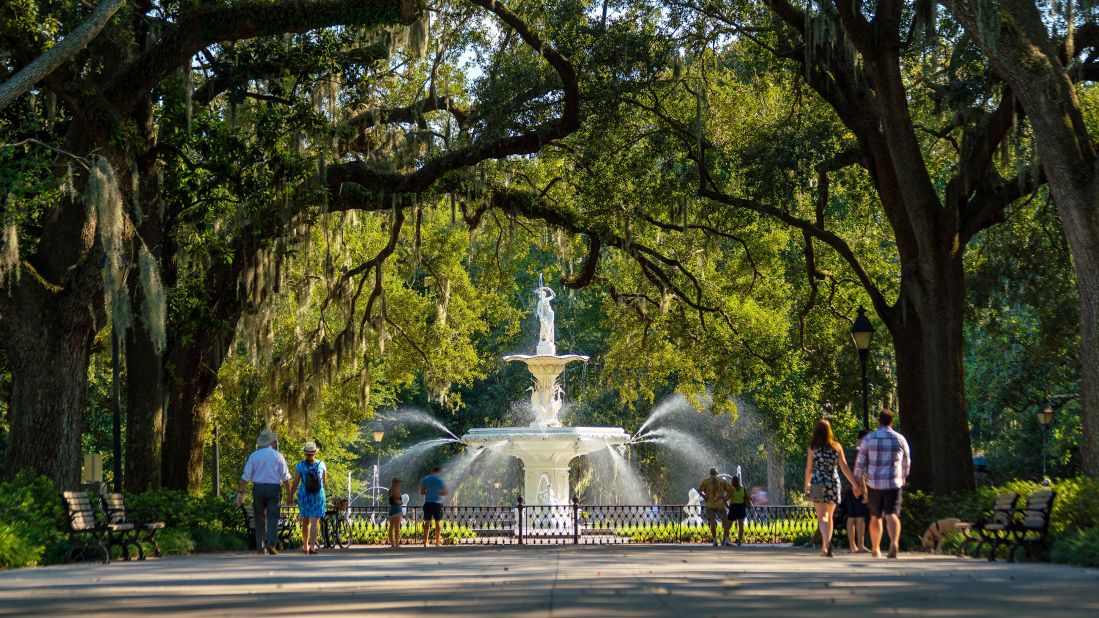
x=310 y=478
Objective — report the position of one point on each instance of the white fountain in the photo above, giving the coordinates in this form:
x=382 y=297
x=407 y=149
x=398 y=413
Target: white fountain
x=546 y=447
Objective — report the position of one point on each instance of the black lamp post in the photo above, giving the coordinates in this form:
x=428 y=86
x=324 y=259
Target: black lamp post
x=861 y=334
x=217 y=461
x=378 y=435
x=116 y=414
x=1045 y=418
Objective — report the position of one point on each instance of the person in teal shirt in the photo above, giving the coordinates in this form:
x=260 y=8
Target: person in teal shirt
x=433 y=488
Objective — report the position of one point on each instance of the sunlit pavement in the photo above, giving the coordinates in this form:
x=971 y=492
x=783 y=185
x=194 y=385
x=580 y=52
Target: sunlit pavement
x=668 y=580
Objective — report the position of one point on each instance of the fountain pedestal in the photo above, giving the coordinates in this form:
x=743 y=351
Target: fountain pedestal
x=546 y=452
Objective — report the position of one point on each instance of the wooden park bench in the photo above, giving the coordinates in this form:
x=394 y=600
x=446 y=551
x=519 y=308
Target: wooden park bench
x=285 y=532
x=89 y=528
x=143 y=531
x=1031 y=525
x=993 y=526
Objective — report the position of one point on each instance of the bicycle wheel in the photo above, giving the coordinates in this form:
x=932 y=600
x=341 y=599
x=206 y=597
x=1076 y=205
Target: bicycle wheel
x=341 y=532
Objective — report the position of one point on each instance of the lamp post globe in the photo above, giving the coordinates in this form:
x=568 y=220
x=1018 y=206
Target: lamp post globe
x=862 y=331
x=378 y=435
x=1045 y=419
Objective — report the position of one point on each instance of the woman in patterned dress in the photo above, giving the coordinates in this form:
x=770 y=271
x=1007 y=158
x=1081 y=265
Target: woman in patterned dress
x=311 y=504
x=822 y=481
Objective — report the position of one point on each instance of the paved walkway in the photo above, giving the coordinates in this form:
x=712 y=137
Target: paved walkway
x=687 y=581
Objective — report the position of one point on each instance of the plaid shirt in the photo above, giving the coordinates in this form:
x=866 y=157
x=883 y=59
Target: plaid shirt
x=883 y=459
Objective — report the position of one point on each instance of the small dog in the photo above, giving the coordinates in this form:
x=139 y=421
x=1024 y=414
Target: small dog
x=932 y=539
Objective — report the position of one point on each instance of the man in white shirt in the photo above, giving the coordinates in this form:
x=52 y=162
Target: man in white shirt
x=266 y=469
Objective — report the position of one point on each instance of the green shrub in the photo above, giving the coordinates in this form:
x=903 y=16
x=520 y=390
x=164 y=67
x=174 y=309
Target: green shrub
x=175 y=542
x=777 y=531
x=33 y=522
x=210 y=523
x=15 y=550
x=218 y=541
x=367 y=533
x=179 y=510
x=1077 y=547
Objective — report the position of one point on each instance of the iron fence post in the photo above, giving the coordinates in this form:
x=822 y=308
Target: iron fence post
x=575 y=520
x=519 y=507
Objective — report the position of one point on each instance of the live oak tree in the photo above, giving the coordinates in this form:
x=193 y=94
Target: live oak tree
x=909 y=90
x=1045 y=58
x=74 y=243
x=376 y=159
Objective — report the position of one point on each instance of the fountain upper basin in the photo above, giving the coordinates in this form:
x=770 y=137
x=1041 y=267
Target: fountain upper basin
x=567 y=441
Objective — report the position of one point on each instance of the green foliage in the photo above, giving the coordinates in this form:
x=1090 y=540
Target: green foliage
x=181 y=511
x=1073 y=524
x=1077 y=547
x=176 y=542
x=15 y=549
x=193 y=524
x=31 y=522
x=778 y=531
x=378 y=533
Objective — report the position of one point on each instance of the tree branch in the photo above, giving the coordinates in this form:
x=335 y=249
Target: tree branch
x=59 y=54
x=207 y=24
x=528 y=142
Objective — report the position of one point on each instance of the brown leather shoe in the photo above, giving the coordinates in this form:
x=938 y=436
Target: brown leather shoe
x=270 y=549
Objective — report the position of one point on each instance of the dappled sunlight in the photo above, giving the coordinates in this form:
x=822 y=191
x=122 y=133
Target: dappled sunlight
x=559 y=581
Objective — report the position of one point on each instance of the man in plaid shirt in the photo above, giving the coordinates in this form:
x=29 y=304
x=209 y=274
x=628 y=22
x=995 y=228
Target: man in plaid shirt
x=884 y=460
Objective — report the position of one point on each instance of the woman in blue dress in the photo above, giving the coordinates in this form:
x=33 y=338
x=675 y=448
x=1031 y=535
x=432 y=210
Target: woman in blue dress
x=310 y=478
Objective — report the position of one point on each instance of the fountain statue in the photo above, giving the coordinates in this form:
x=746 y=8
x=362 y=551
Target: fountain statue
x=546 y=496
x=546 y=447
x=693 y=509
x=544 y=312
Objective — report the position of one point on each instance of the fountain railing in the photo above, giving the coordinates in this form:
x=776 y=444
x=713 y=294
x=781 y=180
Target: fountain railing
x=576 y=523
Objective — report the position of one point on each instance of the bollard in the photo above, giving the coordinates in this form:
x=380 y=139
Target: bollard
x=519 y=508
x=575 y=520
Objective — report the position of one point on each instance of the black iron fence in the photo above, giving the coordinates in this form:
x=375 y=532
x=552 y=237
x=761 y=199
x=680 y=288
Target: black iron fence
x=570 y=524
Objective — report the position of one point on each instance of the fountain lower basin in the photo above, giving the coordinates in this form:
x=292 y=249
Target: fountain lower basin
x=546 y=453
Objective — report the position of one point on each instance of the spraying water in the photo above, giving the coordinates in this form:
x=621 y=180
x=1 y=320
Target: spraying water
x=667 y=406
x=688 y=448
x=615 y=480
x=406 y=464
x=416 y=416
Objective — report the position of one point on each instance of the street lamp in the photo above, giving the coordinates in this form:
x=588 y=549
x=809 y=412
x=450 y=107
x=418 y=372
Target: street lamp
x=116 y=413
x=861 y=333
x=1045 y=418
x=378 y=435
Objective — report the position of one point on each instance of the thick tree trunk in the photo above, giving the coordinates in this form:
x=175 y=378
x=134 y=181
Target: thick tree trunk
x=145 y=390
x=193 y=376
x=926 y=326
x=47 y=338
x=184 y=438
x=144 y=411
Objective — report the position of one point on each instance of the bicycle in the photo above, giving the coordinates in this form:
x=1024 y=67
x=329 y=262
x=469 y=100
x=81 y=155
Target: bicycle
x=336 y=526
